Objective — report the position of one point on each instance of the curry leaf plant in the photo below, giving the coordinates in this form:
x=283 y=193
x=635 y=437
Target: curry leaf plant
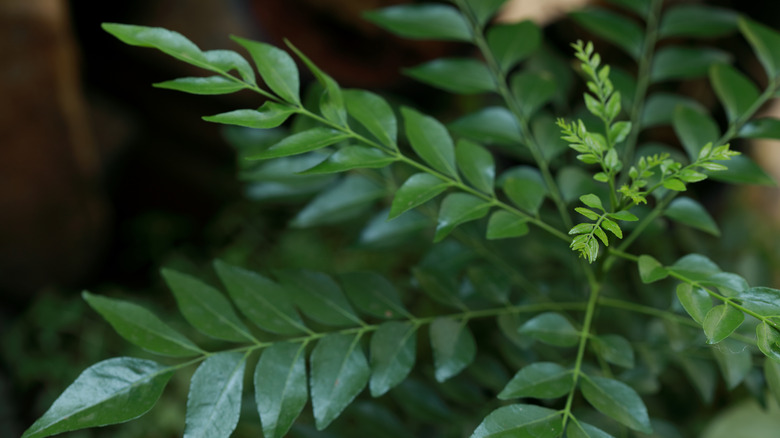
x=528 y=313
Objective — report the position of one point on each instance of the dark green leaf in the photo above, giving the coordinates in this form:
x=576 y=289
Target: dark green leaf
x=421 y=401
x=765 y=42
x=512 y=43
x=736 y=92
x=551 y=328
x=373 y=294
x=484 y=9
x=768 y=340
x=428 y=21
x=453 y=346
x=695 y=301
x=761 y=128
x=694 y=129
x=673 y=62
x=743 y=170
x=615 y=28
x=539 y=380
x=270 y=115
x=735 y=361
x=306 y=141
x=490 y=282
x=331 y=102
x=214 y=401
x=659 y=108
x=702 y=374
x=772 y=376
x=651 y=270
x=520 y=421
x=261 y=300
x=206 y=86
x=339 y=372
x=618 y=401
x=206 y=308
x=532 y=90
x=640 y=7
x=418 y=189
x=721 y=321
x=525 y=188
x=456 y=209
x=476 y=165
x=280 y=387
x=439 y=286
x=319 y=297
x=350 y=196
x=352 y=157
x=695 y=267
x=169 y=42
x=763 y=300
x=373 y=112
x=276 y=67
x=614 y=349
x=430 y=140
x=693 y=20
x=503 y=225
x=456 y=75
x=141 y=327
x=383 y=232
x=491 y=125
x=393 y=350
x=689 y=212
x=585 y=430
x=109 y=392
x=729 y=285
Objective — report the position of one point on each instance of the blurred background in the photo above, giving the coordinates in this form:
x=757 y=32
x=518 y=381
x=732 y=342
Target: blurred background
x=104 y=179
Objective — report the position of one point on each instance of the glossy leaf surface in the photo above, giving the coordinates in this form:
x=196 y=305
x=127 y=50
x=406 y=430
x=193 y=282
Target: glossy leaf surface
x=393 y=352
x=276 y=67
x=374 y=113
x=520 y=421
x=618 y=401
x=306 y=141
x=430 y=140
x=418 y=189
x=489 y=125
x=456 y=209
x=476 y=164
x=539 y=380
x=503 y=225
x=425 y=21
x=689 y=212
x=650 y=269
x=214 y=400
x=280 y=387
x=453 y=346
x=373 y=294
x=319 y=297
x=551 y=328
x=202 y=85
x=456 y=75
x=270 y=115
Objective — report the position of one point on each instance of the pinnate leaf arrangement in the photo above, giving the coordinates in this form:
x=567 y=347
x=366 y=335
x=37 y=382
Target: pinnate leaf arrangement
x=514 y=194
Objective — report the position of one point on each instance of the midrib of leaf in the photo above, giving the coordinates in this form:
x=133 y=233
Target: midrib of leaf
x=223 y=391
x=344 y=312
x=230 y=323
x=344 y=361
x=285 y=317
x=180 y=341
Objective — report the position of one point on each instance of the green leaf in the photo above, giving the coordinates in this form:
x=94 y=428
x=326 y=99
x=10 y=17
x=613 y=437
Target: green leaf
x=353 y=194
x=430 y=140
x=539 y=380
x=618 y=132
x=585 y=430
x=373 y=294
x=332 y=104
x=141 y=327
x=512 y=43
x=674 y=62
x=735 y=91
x=693 y=20
x=612 y=227
x=280 y=387
x=694 y=129
x=721 y=321
x=728 y=284
x=772 y=377
x=428 y=21
x=702 y=375
x=456 y=75
x=171 y=43
x=695 y=267
x=456 y=209
x=623 y=215
x=276 y=67
x=264 y=302
x=490 y=282
x=615 y=28
x=382 y=232
x=306 y=141
x=453 y=346
x=659 y=108
x=374 y=113
x=439 y=285
x=318 y=297
x=551 y=328
x=768 y=341
x=695 y=301
x=476 y=164
x=618 y=401
x=503 y=225
x=202 y=85
x=109 y=392
x=525 y=188
x=214 y=400
x=206 y=308
x=223 y=61
x=674 y=184
x=639 y=7
x=689 y=212
x=763 y=300
x=592 y=201
x=520 y=421
x=352 y=157
x=484 y=9
x=339 y=372
x=743 y=170
x=270 y=115
x=651 y=270
x=734 y=360
x=418 y=189
x=490 y=125
x=765 y=42
x=393 y=350
x=761 y=128
x=532 y=90
x=614 y=349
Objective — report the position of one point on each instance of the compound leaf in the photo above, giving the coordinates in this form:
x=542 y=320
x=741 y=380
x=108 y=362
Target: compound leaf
x=276 y=67
x=618 y=401
x=393 y=350
x=453 y=346
x=214 y=400
x=280 y=387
